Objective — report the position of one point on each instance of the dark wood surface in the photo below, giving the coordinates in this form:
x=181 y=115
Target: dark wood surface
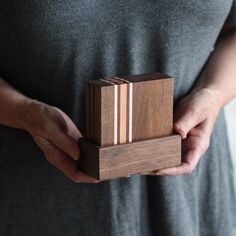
x=152 y=108
x=129 y=123
x=125 y=159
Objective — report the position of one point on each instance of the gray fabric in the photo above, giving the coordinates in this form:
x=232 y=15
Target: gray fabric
x=48 y=49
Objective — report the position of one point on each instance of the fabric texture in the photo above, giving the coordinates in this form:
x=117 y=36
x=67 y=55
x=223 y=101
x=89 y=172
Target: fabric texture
x=48 y=50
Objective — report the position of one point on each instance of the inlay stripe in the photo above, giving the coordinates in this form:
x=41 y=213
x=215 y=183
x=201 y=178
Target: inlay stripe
x=115 y=113
x=107 y=81
x=130 y=111
x=118 y=115
x=123 y=112
x=123 y=105
x=127 y=113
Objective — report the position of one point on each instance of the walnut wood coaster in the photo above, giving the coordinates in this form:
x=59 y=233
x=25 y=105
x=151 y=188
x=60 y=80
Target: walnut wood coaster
x=125 y=159
x=129 y=123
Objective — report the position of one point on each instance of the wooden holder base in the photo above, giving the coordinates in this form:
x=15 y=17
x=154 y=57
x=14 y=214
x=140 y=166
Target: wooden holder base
x=121 y=160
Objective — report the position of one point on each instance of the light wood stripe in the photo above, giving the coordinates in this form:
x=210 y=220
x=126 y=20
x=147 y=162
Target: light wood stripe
x=123 y=109
x=115 y=113
x=129 y=108
x=123 y=105
x=130 y=111
x=127 y=114
x=118 y=115
x=107 y=81
x=116 y=81
x=121 y=79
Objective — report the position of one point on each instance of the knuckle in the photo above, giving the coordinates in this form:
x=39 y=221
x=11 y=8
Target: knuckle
x=195 y=112
x=49 y=152
x=49 y=128
x=52 y=158
x=189 y=170
x=181 y=125
x=46 y=128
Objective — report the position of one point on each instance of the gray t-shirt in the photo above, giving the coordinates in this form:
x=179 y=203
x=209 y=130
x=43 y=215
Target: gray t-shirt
x=48 y=49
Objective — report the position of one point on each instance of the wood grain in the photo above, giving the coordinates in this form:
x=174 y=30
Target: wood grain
x=125 y=159
x=131 y=108
x=152 y=108
x=129 y=123
x=106 y=116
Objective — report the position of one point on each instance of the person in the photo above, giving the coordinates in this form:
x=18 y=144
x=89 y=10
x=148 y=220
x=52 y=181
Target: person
x=48 y=50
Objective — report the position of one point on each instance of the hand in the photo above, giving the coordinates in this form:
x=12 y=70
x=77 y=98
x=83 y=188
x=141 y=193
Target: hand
x=195 y=116
x=57 y=136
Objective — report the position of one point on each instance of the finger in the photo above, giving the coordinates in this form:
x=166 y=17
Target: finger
x=69 y=168
x=145 y=173
x=65 y=142
x=188 y=120
x=71 y=128
x=198 y=139
x=65 y=164
x=190 y=161
x=150 y=173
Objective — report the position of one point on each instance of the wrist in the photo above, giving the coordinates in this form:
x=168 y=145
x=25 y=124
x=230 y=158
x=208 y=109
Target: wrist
x=27 y=110
x=214 y=94
x=212 y=102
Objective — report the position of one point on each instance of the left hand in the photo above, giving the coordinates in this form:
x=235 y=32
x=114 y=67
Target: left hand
x=195 y=116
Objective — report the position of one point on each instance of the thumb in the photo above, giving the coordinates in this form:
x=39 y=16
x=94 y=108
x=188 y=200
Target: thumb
x=186 y=121
x=65 y=143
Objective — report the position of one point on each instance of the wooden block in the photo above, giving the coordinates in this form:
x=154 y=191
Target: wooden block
x=125 y=159
x=128 y=109
x=129 y=126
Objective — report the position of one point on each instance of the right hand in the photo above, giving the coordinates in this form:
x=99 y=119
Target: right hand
x=57 y=136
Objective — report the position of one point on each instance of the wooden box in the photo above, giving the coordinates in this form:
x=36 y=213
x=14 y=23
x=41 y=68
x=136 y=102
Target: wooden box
x=129 y=126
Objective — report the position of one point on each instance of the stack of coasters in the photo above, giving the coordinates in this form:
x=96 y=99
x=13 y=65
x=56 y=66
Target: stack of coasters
x=129 y=123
